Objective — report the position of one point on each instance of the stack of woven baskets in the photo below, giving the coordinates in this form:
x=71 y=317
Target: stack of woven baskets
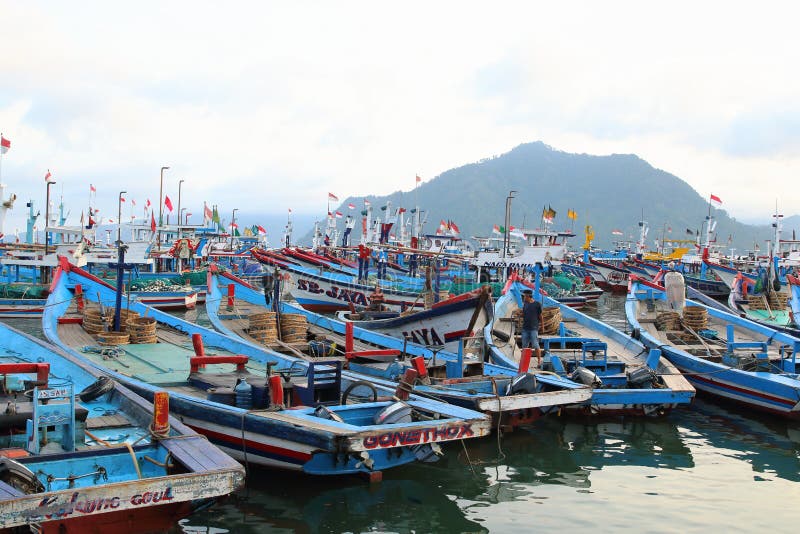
x=142 y=330
x=101 y=326
x=294 y=328
x=263 y=327
x=668 y=320
x=695 y=317
x=551 y=319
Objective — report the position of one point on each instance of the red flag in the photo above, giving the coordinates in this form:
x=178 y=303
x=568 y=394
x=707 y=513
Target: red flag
x=168 y=203
x=152 y=221
x=92 y=189
x=333 y=197
x=147 y=204
x=122 y=199
x=261 y=229
x=418 y=179
x=5 y=144
x=234 y=225
x=351 y=206
x=716 y=200
x=47 y=176
x=207 y=213
x=338 y=214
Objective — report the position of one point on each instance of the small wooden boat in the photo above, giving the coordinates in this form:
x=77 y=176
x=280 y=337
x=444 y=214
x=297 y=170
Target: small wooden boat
x=720 y=353
x=79 y=453
x=320 y=434
x=626 y=380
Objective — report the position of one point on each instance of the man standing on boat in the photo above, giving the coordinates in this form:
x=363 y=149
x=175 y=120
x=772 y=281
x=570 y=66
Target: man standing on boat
x=363 y=262
x=531 y=317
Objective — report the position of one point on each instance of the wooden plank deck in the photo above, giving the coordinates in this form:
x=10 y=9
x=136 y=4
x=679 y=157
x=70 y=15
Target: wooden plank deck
x=198 y=454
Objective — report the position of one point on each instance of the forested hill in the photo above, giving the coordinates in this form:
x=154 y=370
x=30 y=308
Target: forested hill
x=607 y=192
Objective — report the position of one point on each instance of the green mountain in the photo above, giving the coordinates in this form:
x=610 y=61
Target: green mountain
x=607 y=192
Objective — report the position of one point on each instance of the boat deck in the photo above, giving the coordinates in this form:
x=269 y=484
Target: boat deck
x=693 y=343
x=164 y=363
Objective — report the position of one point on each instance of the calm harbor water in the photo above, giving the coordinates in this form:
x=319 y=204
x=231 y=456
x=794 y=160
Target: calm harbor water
x=707 y=467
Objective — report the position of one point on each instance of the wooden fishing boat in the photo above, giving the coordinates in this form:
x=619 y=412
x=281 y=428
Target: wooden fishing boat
x=463 y=378
x=720 y=353
x=445 y=323
x=615 y=278
x=626 y=379
x=325 y=291
x=319 y=435
x=79 y=453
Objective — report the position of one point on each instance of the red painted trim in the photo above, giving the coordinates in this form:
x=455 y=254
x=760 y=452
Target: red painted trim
x=236 y=441
x=238 y=280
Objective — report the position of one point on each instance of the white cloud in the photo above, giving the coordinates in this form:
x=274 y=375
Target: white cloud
x=268 y=105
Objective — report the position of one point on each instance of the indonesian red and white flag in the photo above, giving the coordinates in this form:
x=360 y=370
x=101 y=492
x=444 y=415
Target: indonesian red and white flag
x=261 y=230
x=121 y=198
x=367 y=202
x=207 y=213
x=418 y=179
x=333 y=197
x=339 y=215
x=92 y=188
x=168 y=203
x=616 y=232
x=716 y=200
x=147 y=204
x=5 y=144
x=48 y=177
x=234 y=225
x=351 y=206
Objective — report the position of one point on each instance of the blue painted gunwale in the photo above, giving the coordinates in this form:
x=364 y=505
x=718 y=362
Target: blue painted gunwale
x=765 y=391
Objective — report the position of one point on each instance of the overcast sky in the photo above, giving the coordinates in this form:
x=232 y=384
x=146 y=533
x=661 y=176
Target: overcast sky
x=271 y=105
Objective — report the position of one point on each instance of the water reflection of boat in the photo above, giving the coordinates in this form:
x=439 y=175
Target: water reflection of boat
x=402 y=505
x=769 y=445
x=561 y=452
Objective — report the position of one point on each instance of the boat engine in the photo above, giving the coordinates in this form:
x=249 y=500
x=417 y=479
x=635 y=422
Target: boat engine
x=398 y=412
x=642 y=377
x=524 y=383
x=586 y=377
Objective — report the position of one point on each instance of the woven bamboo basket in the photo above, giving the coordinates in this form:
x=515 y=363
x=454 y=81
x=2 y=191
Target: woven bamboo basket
x=113 y=338
x=263 y=327
x=142 y=330
x=551 y=319
x=668 y=320
x=93 y=322
x=294 y=328
x=695 y=317
x=778 y=301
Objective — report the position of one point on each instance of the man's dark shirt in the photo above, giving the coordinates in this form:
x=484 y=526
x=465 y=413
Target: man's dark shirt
x=530 y=315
